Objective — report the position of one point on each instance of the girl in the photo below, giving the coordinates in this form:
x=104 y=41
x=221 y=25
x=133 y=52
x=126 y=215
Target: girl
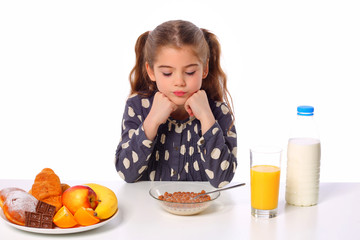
x=176 y=126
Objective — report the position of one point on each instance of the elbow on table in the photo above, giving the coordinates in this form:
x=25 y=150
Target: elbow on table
x=129 y=178
x=126 y=175
x=219 y=183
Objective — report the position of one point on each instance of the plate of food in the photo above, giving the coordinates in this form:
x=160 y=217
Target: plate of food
x=57 y=230
x=50 y=207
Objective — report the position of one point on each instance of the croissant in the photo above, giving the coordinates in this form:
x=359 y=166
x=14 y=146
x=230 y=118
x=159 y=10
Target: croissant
x=47 y=188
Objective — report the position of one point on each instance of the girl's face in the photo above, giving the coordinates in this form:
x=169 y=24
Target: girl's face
x=178 y=73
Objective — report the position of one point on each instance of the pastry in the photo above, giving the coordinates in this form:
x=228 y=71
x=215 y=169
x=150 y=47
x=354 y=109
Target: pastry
x=4 y=192
x=47 y=188
x=16 y=203
x=64 y=187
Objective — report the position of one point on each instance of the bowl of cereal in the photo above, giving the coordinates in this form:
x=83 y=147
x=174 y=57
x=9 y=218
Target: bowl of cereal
x=181 y=198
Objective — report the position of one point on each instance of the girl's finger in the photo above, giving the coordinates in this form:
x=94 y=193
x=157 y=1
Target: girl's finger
x=174 y=107
x=188 y=110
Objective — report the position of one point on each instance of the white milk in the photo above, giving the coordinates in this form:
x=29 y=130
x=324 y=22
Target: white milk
x=303 y=171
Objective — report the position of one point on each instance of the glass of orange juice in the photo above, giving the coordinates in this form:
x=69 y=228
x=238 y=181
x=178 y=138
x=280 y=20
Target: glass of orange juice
x=265 y=180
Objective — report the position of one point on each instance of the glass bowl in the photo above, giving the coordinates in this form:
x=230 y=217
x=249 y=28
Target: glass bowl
x=183 y=208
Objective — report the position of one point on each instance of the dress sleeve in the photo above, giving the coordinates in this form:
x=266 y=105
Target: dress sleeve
x=218 y=148
x=134 y=149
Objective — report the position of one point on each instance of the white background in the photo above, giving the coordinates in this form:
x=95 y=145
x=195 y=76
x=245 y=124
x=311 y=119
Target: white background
x=64 y=69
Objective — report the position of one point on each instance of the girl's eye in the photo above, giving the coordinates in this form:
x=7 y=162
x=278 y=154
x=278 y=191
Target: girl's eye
x=166 y=74
x=190 y=73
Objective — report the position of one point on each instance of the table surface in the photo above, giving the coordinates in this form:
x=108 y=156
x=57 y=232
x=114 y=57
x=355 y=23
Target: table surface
x=335 y=217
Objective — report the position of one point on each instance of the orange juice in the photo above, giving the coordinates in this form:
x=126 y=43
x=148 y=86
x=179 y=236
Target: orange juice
x=264 y=186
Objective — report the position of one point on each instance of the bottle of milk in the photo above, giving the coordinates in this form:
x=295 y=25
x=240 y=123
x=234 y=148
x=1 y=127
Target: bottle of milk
x=303 y=160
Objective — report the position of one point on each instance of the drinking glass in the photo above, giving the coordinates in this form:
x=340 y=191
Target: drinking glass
x=265 y=179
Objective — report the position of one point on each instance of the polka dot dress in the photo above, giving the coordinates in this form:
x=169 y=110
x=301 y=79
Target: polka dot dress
x=180 y=151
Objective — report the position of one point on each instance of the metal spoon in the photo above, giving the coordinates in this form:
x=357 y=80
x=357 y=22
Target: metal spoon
x=220 y=189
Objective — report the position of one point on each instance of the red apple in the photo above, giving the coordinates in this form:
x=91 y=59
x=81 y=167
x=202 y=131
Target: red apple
x=79 y=196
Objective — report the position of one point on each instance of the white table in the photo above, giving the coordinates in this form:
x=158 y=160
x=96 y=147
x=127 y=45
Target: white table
x=335 y=217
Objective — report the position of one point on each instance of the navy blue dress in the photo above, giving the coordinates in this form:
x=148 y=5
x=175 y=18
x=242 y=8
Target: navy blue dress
x=180 y=151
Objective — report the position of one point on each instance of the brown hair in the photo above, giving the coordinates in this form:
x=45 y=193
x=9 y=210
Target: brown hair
x=180 y=33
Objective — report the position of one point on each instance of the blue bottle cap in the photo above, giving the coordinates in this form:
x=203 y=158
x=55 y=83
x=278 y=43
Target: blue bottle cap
x=305 y=110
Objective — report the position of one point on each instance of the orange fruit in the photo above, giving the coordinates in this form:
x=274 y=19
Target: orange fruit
x=64 y=218
x=86 y=216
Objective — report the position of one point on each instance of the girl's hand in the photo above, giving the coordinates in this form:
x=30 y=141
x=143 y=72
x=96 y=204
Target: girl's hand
x=198 y=105
x=160 y=110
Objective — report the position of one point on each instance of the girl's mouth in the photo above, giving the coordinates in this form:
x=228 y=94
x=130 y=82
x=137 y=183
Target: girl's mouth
x=179 y=93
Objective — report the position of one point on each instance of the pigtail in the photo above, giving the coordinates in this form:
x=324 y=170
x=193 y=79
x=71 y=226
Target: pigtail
x=139 y=80
x=216 y=76
x=215 y=84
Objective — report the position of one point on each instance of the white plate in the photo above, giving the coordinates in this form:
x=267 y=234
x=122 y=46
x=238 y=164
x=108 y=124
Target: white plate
x=57 y=230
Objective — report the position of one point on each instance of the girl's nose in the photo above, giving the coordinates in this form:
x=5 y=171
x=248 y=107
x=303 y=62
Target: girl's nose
x=179 y=80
